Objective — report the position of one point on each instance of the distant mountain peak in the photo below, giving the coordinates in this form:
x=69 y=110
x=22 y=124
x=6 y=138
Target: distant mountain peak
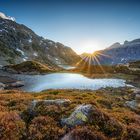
x=119 y=53
x=126 y=42
x=4 y=16
x=115 y=45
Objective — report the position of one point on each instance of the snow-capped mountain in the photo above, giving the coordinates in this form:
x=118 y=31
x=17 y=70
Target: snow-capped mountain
x=18 y=43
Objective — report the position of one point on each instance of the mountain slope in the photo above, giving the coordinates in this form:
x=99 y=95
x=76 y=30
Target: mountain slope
x=18 y=43
x=117 y=53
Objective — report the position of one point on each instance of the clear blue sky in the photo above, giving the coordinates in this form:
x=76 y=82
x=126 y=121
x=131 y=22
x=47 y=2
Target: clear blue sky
x=84 y=25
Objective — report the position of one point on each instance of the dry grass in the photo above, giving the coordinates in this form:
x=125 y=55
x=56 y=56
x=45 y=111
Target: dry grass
x=116 y=121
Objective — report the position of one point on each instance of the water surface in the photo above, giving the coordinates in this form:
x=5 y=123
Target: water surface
x=67 y=67
x=36 y=83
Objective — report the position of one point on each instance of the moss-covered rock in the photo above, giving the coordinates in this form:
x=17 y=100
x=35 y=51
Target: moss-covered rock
x=80 y=116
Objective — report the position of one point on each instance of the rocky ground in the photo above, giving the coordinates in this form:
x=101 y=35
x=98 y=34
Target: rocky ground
x=70 y=114
x=7 y=82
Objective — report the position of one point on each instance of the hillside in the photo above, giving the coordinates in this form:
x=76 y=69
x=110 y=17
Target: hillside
x=29 y=67
x=18 y=43
x=87 y=65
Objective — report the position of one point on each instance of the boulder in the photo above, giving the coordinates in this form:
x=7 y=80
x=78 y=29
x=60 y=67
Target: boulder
x=35 y=105
x=59 y=102
x=15 y=85
x=80 y=116
x=2 y=86
x=1 y=67
x=136 y=91
x=88 y=114
x=134 y=105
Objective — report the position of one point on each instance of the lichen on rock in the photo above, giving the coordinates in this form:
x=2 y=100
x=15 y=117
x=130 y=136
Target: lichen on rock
x=80 y=116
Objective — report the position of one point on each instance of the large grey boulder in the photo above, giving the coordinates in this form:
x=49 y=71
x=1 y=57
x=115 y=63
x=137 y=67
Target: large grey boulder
x=35 y=105
x=80 y=116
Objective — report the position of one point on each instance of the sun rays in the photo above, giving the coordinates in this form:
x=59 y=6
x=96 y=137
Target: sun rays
x=91 y=63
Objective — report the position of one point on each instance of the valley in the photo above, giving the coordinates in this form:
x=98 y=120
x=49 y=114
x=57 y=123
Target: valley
x=48 y=92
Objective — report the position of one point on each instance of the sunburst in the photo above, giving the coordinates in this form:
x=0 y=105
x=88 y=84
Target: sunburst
x=91 y=60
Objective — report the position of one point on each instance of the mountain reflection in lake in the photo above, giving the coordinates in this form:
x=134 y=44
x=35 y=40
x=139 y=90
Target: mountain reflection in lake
x=36 y=83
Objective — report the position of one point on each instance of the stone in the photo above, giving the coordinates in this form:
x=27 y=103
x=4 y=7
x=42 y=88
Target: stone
x=1 y=67
x=136 y=91
x=134 y=105
x=2 y=86
x=15 y=85
x=80 y=116
x=59 y=102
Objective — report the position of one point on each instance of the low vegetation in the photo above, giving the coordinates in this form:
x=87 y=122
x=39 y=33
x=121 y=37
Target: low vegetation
x=130 y=71
x=110 y=119
x=30 y=67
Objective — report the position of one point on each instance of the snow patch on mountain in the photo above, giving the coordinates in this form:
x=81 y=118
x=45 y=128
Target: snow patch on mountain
x=30 y=40
x=35 y=54
x=2 y=15
x=20 y=51
x=3 y=30
x=25 y=58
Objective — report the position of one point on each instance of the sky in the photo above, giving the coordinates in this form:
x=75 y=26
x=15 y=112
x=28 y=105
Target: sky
x=83 y=25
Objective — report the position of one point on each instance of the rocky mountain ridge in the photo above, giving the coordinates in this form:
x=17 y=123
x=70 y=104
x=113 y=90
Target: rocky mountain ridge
x=18 y=43
x=122 y=53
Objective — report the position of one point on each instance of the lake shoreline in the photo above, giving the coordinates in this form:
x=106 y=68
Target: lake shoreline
x=9 y=78
x=66 y=80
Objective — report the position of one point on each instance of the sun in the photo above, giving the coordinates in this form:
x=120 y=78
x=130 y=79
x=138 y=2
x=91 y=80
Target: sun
x=88 y=46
